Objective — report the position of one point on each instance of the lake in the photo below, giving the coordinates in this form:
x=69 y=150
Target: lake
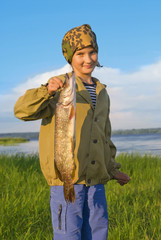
x=145 y=143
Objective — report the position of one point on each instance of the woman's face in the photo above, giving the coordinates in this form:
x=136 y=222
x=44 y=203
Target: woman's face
x=84 y=61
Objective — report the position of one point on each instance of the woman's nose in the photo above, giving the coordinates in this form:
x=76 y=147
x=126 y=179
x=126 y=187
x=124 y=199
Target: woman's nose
x=88 y=58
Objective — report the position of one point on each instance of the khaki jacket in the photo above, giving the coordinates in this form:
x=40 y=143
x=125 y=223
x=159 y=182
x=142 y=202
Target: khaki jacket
x=94 y=150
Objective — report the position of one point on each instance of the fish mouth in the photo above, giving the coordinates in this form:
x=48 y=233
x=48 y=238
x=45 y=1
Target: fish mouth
x=67 y=98
x=67 y=95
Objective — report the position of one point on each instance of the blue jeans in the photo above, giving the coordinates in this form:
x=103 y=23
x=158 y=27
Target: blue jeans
x=86 y=219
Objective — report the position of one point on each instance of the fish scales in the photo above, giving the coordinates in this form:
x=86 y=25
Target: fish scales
x=65 y=136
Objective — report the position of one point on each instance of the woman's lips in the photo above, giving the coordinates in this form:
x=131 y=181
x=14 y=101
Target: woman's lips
x=88 y=66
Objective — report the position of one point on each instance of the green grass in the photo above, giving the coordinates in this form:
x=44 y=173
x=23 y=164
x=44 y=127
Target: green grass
x=134 y=209
x=12 y=141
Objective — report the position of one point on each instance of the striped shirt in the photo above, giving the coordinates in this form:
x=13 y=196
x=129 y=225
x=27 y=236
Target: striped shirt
x=92 y=90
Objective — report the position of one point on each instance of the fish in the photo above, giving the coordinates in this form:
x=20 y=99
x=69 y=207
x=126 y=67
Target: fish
x=65 y=136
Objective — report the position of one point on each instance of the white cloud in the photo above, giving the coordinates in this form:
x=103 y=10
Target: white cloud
x=40 y=79
x=135 y=98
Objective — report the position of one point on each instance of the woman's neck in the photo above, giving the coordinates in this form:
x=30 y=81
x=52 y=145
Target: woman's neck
x=86 y=79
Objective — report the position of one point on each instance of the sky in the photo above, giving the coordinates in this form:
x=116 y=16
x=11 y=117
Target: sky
x=129 y=40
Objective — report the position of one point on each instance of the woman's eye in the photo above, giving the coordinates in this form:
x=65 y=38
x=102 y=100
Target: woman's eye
x=93 y=52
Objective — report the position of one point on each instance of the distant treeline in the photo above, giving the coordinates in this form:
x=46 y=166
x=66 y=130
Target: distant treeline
x=26 y=135
x=35 y=135
x=137 y=131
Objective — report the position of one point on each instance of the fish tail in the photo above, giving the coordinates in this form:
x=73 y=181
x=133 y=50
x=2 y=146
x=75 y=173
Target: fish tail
x=69 y=193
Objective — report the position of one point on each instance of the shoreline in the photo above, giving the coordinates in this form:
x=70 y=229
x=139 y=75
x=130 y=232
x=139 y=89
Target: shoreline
x=9 y=141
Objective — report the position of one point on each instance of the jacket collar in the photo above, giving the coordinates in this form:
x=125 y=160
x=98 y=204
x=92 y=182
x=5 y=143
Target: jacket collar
x=81 y=90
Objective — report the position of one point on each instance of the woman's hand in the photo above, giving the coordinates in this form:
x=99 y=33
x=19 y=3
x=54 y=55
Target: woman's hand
x=54 y=84
x=122 y=178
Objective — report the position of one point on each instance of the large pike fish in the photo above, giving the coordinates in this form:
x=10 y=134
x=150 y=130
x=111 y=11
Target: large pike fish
x=65 y=136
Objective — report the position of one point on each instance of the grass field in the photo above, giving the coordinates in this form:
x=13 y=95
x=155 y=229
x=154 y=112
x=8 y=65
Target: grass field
x=12 y=141
x=134 y=210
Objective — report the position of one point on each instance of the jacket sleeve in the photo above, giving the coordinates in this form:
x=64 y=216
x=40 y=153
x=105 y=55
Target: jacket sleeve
x=34 y=104
x=113 y=165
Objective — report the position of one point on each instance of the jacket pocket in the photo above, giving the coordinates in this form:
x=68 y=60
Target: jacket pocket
x=58 y=212
x=59 y=217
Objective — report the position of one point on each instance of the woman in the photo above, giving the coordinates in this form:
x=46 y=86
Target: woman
x=87 y=218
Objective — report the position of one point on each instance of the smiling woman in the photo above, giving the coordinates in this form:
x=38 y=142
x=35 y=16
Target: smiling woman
x=93 y=152
x=83 y=63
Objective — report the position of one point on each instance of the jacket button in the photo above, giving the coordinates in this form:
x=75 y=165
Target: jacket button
x=89 y=181
x=95 y=141
x=93 y=162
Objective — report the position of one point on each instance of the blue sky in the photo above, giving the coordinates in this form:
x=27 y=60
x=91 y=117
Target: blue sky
x=128 y=34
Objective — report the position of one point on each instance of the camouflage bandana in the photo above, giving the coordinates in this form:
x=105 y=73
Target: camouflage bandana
x=76 y=39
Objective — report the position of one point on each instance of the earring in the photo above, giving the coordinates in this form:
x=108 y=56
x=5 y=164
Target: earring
x=98 y=64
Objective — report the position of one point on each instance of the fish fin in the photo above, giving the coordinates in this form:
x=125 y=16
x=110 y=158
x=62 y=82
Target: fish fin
x=72 y=145
x=69 y=193
x=72 y=112
x=57 y=172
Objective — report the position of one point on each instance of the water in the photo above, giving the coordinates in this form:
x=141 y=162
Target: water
x=30 y=147
x=147 y=143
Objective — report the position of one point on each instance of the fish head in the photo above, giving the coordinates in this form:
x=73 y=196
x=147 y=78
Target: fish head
x=67 y=94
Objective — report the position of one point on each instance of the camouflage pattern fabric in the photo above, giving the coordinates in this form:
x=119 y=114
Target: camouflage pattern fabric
x=76 y=39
